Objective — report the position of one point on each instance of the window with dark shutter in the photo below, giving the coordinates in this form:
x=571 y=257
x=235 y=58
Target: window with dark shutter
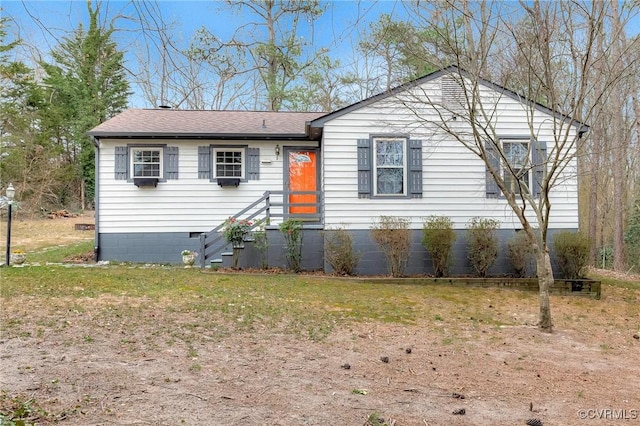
x=389 y=166
x=146 y=165
x=523 y=165
x=237 y=163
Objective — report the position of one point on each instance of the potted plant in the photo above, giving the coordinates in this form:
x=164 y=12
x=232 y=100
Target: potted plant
x=235 y=231
x=189 y=257
x=18 y=257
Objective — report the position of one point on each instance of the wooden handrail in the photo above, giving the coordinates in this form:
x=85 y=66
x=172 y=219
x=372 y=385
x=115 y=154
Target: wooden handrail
x=212 y=241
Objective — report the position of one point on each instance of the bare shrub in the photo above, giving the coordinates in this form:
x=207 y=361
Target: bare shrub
x=520 y=253
x=393 y=236
x=572 y=253
x=339 y=253
x=483 y=244
x=438 y=238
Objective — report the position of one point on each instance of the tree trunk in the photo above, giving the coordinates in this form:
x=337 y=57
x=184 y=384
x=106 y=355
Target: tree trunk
x=619 y=148
x=545 y=280
x=594 y=166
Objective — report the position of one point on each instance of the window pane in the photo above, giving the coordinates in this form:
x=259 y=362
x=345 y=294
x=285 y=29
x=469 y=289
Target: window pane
x=516 y=153
x=229 y=170
x=511 y=182
x=389 y=153
x=146 y=162
x=517 y=156
x=390 y=181
x=228 y=163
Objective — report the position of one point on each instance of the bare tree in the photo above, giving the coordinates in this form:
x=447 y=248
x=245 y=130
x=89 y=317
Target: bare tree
x=267 y=54
x=553 y=67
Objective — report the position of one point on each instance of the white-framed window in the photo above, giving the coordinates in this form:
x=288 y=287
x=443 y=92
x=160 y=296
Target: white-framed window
x=229 y=162
x=146 y=162
x=390 y=166
x=517 y=156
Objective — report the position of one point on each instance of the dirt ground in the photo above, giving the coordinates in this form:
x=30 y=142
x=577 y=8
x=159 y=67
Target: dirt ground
x=93 y=365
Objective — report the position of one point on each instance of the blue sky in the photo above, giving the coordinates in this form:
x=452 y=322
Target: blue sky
x=39 y=24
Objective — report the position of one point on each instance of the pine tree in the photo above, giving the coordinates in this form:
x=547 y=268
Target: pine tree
x=87 y=86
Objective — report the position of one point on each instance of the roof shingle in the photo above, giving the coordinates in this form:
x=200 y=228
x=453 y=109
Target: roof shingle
x=173 y=122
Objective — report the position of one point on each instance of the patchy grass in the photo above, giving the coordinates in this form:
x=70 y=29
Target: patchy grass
x=307 y=303
x=37 y=235
x=58 y=254
x=177 y=328
x=613 y=279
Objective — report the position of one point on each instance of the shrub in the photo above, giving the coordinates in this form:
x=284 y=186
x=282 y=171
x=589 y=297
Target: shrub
x=393 y=236
x=572 y=253
x=339 y=253
x=483 y=244
x=235 y=230
x=520 y=253
x=438 y=237
x=291 y=229
x=261 y=243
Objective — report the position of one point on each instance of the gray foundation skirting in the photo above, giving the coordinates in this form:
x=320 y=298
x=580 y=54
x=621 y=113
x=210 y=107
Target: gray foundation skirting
x=166 y=248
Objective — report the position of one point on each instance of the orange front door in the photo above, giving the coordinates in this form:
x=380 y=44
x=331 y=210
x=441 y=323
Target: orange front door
x=303 y=176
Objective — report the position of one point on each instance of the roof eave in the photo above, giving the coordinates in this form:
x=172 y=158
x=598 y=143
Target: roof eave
x=171 y=135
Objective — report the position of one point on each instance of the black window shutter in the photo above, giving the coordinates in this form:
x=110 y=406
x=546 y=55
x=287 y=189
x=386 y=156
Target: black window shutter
x=364 y=168
x=204 y=162
x=121 y=163
x=539 y=164
x=253 y=163
x=171 y=162
x=415 y=168
x=492 y=188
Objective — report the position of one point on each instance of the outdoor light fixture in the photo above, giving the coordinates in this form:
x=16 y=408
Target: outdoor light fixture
x=11 y=192
x=277 y=151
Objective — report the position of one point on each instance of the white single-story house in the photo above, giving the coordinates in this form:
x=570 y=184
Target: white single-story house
x=167 y=178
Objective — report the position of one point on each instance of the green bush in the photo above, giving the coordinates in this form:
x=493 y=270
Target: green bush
x=339 y=253
x=291 y=230
x=261 y=243
x=438 y=238
x=572 y=253
x=482 y=244
x=520 y=253
x=393 y=236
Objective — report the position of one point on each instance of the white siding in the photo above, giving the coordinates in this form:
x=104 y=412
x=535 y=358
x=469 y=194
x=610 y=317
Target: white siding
x=453 y=176
x=187 y=204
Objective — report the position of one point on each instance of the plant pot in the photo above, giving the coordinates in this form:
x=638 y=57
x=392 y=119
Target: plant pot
x=188 y=259
x=18 y=258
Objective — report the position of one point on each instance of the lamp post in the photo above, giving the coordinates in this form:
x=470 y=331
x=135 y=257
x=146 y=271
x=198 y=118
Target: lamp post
x=11 y=192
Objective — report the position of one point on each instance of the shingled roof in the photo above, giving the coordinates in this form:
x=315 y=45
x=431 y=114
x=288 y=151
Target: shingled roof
x=199 y=123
